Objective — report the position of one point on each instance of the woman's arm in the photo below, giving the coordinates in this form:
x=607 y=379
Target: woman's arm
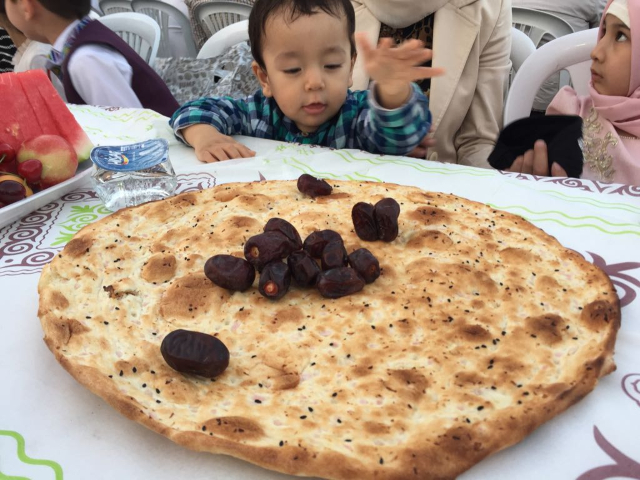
x=478 y=133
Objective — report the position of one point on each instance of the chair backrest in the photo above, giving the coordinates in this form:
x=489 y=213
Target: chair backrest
x=224 y=39
x=521 y=47
x=115 y=6
x=571 y=52
x=162 y=13
x=216 y=15
x=536 y=23
x=141 y=32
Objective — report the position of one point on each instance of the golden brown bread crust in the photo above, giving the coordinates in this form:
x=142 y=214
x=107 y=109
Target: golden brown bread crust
x=481 y=328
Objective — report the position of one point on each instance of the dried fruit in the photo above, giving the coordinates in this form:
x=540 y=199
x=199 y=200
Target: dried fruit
x=364 y=262
x=266 y=248
x=230 y=272
x=334 y=255
x=285 y=228
x=275 y=280
x=314 y=244
x=339 y=282
x=195 y=352
x=312 y=186
x=303 y=268
x=364 y=221
x=386 y=214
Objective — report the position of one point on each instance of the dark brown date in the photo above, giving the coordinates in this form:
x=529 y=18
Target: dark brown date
x=367 y=266
x=339 y=282
x=364 y=221
x=285 y=228
x=230 y=272
x=266 y=248
x=195 y=352
x=312 y=186
x=275 y=280
x=304 y=268
x=386 y=213
x=314 y=244
x=334 y=255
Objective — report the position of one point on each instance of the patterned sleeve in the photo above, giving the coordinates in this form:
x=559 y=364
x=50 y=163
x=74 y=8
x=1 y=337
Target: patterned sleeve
x=397 y=131
x=227 y=115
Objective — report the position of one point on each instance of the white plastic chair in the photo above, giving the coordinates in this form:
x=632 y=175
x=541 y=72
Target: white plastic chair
x=571 y=52
x=536 y=23
x=214 y=16
x=115 y=6
x=521 y=47
x=141 y=32
x=163 y=13
x=224 y=39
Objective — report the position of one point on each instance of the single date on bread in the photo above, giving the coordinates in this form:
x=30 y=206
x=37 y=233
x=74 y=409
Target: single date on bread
x=275 y=280
x=230 y=272
x=312 y=186
x=195 y=353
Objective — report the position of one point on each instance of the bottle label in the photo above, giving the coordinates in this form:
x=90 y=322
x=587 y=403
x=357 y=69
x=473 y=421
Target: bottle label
x=133 y=157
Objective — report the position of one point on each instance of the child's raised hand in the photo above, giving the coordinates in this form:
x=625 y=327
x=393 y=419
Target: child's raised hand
x=395 y=68
x=212 y=146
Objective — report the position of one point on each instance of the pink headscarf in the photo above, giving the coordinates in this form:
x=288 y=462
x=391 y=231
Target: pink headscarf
x=624 y=112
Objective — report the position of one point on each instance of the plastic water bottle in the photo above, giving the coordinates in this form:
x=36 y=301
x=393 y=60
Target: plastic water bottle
x=128 y=175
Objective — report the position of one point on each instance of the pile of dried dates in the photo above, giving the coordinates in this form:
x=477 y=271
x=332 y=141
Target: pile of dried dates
x=321 y=262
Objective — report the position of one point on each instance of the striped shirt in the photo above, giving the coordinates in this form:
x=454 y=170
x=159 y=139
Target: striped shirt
x=361 y=122
x=7 y=51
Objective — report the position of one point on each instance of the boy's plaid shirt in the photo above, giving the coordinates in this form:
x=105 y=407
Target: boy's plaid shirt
x=361 y=123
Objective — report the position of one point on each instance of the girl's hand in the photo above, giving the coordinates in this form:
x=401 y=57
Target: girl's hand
x=395 y=68
x=536 y=162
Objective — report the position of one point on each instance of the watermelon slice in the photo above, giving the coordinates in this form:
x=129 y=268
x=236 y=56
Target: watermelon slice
x=32 y=107
x=17 y=122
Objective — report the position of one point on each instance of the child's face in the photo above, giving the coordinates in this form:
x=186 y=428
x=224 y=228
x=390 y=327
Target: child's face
x=308 y=67
x=20 y=13
x=611 y=66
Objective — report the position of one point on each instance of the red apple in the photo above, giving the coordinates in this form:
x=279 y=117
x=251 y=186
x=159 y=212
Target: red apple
x=58 y=158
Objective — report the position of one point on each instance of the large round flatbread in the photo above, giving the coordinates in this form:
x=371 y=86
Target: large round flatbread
x=481 y=328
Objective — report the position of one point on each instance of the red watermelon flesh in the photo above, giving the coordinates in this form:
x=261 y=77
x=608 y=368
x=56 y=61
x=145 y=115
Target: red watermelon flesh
x=16 y=117
x=43 y=117
x=35 y=108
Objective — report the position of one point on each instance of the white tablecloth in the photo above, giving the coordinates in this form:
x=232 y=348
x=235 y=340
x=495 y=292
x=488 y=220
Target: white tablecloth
x=45 y=414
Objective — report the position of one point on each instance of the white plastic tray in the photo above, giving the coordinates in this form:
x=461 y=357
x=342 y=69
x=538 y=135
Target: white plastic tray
x=17 y=210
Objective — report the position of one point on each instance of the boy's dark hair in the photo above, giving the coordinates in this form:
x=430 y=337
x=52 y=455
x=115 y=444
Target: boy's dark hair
x=71 y=9
x=262 y=10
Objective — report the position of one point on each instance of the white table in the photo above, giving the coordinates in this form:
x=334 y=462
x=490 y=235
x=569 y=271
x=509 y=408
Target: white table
x=81 y=437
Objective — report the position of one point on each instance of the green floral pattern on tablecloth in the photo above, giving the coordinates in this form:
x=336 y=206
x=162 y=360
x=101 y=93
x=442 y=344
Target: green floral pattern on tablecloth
x=80 y=217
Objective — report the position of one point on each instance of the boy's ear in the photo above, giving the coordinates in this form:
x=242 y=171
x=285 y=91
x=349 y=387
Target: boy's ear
x=354 y=57
x=262 y=77
x=28 y=8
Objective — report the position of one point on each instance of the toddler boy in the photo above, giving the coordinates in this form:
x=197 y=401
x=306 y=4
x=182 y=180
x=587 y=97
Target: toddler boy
x=304 y=52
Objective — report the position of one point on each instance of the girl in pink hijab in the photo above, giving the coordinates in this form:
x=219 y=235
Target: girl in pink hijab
x=611 y=113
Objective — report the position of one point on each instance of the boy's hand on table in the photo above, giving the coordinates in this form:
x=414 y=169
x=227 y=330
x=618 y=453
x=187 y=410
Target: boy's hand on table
x=212 y=146
x=536 y=162
x=395 y=68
